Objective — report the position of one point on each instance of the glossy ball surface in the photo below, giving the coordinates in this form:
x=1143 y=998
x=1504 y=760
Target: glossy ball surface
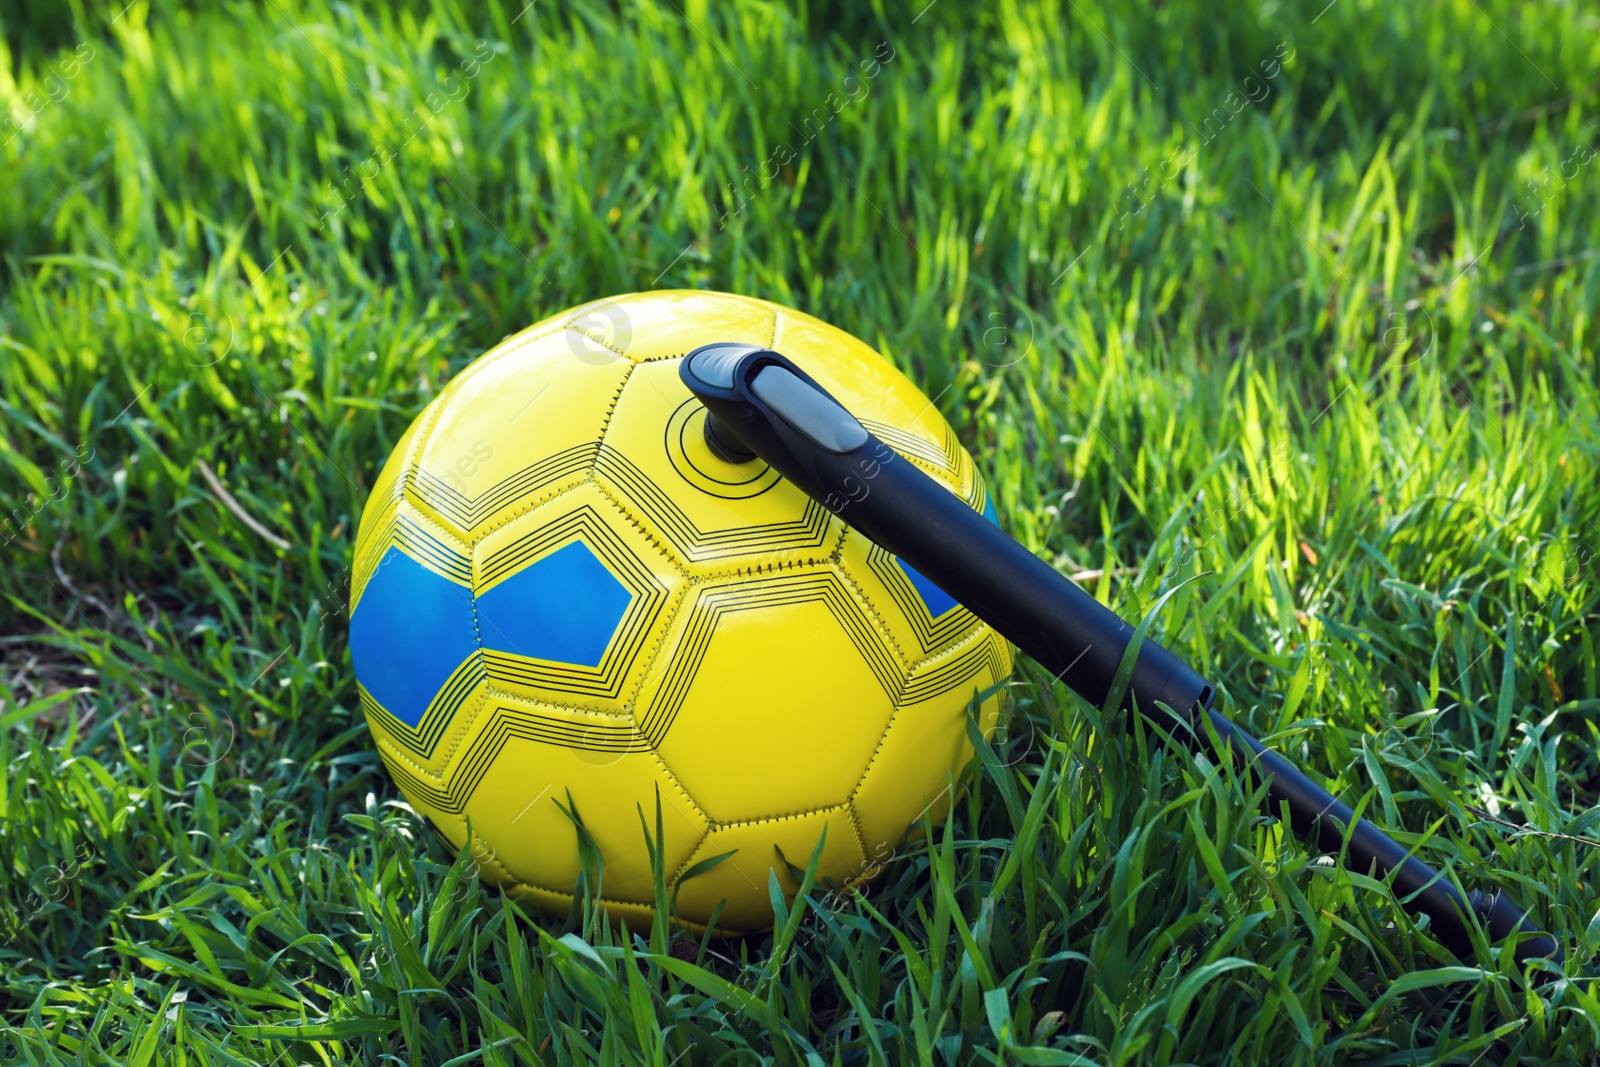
x=565 y=606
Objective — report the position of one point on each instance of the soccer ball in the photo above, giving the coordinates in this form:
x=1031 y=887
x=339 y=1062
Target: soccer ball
x=567 y=610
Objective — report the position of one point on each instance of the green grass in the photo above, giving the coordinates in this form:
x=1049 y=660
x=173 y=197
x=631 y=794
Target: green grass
x=1328 y=378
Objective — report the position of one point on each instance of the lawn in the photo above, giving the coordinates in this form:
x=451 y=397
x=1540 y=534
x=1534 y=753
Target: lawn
x=1284 y=309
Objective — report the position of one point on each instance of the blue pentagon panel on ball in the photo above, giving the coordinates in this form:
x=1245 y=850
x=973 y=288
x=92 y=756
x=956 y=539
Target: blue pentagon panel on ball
x=412 y=628
x=937 y=600
x=563 y=608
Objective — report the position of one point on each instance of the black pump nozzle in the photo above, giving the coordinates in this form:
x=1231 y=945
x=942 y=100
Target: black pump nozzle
x=760 y=404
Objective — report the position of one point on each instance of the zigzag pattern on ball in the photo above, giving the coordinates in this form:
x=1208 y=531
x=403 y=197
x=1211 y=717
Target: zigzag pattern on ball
x=441 y=710
x=952 y=461
x=950 y=458
x=932 y=634
x=468 y=512
x=985 y=655
x=978 y=496
x=414 y=787
x=428 y=549
x=507 y=722
x=960 y=461
x=586 y=525
x=910 y=445
x=714 y=602
x=809 y=531
x=504 y=723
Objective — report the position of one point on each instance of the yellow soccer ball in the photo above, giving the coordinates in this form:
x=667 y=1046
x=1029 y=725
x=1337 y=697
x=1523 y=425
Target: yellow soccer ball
x=564 y=607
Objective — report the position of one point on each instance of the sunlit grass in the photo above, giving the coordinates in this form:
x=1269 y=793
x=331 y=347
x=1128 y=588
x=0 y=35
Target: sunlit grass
x=1321 y=361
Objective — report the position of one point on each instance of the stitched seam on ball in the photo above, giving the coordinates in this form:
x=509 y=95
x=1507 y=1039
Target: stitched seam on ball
x=505 y=518
x=663 y=624
x=434 y=778
x=421 y=439
x=911 y=664
x=838 y=543
x=872 y=760
x=895 y=714
x=361 y=574
x=657 y=639
x=454 y=742
x=672 y=779
x=877 y=617
x=601 y=341
x=523 y=883
x=458 y=733
x=861 y=838
x=611 y=409
x=777 y=320
x=438 y=528
x=728 y=557
x=464 y=536
x=979 y=629
x=437 y=818
x=619 y=501
x=788 y=816
x=693 y=852
x=822 y=565
x=946 y=648
x=491 y=690
x=467 y=373
x=491 y=861
x=938 y=473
